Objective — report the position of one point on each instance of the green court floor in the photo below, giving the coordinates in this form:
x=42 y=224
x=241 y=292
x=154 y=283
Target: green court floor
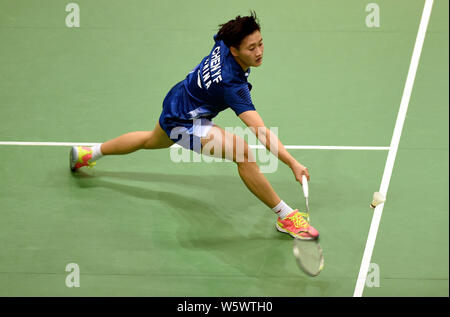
x=142 y=225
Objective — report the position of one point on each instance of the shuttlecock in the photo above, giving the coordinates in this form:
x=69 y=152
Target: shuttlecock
x=378 y=198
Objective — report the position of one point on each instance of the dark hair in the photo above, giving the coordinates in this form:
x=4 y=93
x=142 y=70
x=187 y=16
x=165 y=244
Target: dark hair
x=234 y=31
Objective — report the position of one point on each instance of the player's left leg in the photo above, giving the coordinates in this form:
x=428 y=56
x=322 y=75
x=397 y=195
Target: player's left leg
x=127 y=143
x=133 y=141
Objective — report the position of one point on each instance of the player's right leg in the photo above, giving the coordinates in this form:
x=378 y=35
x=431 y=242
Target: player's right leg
x=127 y=143
x=223 y=144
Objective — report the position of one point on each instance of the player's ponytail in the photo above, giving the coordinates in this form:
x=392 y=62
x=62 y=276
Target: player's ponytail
x=234 y=31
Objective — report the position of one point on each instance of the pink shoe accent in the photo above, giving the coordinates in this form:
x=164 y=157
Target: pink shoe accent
x=297 y=226
x=84 y=155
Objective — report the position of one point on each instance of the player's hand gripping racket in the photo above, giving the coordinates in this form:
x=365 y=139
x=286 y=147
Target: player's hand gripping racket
x=308 y=253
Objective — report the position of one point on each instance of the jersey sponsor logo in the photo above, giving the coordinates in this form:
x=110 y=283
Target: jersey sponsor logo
x=199 y=81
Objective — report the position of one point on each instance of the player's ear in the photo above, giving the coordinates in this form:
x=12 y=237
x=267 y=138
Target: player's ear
x=234 y=51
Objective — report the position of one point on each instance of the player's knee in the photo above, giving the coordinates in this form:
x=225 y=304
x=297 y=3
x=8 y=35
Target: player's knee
x=151 y=140
x=146 y=141
x=242 y=153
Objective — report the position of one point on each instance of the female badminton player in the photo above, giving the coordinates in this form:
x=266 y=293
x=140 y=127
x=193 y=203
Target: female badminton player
x=218 y=82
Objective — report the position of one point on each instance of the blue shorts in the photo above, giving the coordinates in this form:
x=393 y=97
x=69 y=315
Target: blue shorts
x=187 y=133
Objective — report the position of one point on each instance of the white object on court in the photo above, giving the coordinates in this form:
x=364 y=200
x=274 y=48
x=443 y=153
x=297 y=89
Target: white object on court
x=378 y=198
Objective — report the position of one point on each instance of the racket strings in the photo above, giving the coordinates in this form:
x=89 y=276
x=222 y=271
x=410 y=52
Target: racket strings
x=309 y=256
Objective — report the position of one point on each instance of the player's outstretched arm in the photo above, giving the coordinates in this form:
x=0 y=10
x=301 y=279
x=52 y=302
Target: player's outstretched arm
x=254 y=121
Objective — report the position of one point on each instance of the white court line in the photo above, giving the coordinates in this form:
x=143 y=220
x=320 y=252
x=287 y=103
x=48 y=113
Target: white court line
x=361 y=281
x=21 y=143
x=291 y=147
x=322 y=147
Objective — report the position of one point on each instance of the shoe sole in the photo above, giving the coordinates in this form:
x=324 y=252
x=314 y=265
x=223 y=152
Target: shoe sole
x=73 y=153
x=292 y=234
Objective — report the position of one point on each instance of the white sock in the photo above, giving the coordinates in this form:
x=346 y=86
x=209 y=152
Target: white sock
x=282 y=210
x=96 y=152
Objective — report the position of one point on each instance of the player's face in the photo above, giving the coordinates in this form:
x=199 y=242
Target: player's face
x=250 y=52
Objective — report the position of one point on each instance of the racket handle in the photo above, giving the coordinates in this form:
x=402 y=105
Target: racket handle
x=305 y=186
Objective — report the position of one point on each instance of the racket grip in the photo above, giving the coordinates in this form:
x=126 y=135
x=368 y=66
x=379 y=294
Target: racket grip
x=305 y=186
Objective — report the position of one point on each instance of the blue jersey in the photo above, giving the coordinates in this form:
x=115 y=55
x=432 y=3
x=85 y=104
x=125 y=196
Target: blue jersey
x=217 y=83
